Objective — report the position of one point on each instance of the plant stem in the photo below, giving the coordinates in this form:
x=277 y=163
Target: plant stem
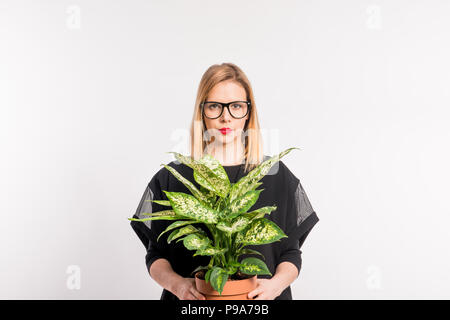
x=229 y=247
x=211 y=229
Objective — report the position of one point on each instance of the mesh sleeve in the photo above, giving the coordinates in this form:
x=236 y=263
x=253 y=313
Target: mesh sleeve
x=146 y=206
x=301 y=220
x=148 y=231
x=303 y=213
x=303 y=208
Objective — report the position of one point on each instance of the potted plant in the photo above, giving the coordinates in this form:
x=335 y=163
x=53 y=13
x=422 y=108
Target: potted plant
x=223 y=208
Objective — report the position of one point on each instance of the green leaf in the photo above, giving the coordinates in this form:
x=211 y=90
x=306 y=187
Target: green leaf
x=210 y=195
x=207 y=173
x=210 y=251
x=195 y=192
x=254 y=185
x=182 y=232
x=181 y=239
x=160 y=215
x=183 y=159
x=205 y=177
x=161 y=202
x=175 y=225
x=254 y=266
x=235 y=225
x=220 y=205
x=200 y=233
x=231 y=269
x=259 y=213
x=261 y=231
x=188 y=206
x=208 y=275
x=248 y=182
x=218 y=279
x=218 y=182
x=250 y=251
x=215 y=166
x=244 y=202
x=196 y=242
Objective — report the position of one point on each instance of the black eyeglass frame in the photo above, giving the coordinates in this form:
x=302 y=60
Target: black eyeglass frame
x=225 y=105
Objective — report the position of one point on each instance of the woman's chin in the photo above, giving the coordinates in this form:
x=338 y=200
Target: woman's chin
x=225 y=139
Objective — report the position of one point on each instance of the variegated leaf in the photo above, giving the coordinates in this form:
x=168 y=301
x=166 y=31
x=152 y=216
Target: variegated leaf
x=236 y=225
x=192 y=188
x=210 y=251
x=244 y=202
x=207 y=178
x=250 y=251
x=207 y=275
x=175 y=225
x=160 y=215
x=233 y=215
x=204 y=182
x=200 y=233
x=158 y=218
x=210 y=195
x=254 y=185
x=254 y=266
x=181 y=232
x=215 y=166
x=247 y=182
x=262 y=231
x=196 y=242
x=231 y=269
x=204 y=176
x=161 y=202
x=259 y=213
x=188 y=206
x=239 y=237
x=220 y=205
x=183 y=159
x=218 y=278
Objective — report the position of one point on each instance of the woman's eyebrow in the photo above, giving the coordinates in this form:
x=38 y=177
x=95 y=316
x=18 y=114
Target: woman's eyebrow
x=224 y=102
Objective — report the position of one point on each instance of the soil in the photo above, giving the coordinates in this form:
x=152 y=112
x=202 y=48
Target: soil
x=237 y=276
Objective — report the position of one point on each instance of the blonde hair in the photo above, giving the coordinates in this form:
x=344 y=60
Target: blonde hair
x=253 y=141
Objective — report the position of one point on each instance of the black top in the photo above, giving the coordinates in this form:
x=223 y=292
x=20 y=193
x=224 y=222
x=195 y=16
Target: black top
x=294 y=215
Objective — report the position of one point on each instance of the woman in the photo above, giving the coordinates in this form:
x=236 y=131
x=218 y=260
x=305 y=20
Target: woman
x=225 y=125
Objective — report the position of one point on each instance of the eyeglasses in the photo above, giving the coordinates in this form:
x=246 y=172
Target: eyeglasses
x=237 y=109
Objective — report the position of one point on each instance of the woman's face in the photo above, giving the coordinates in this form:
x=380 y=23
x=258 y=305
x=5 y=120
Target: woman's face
x=226 y=91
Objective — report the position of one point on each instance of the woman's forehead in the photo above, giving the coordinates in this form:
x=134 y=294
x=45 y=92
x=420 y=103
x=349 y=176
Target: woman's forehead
x=227 y=91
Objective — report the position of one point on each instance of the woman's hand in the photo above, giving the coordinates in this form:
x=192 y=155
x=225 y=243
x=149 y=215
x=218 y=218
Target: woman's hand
x=267 y=289
x=185 y=290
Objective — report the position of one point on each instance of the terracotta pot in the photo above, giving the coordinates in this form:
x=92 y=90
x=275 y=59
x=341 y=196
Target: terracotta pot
x=233 y=289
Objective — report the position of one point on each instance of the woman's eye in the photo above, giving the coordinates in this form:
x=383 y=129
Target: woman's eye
x=236 y=106
x=214 y=106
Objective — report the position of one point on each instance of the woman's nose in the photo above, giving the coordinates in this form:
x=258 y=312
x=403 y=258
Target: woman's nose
x=226 y=114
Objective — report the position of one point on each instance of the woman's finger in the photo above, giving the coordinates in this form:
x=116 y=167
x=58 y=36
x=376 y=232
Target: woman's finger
x=197 y=294
x=254 y=293
x=261 y=297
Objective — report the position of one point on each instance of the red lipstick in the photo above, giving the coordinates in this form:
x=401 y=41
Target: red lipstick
x=225 y=130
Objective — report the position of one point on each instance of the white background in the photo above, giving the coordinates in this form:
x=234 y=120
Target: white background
x=94 y=93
